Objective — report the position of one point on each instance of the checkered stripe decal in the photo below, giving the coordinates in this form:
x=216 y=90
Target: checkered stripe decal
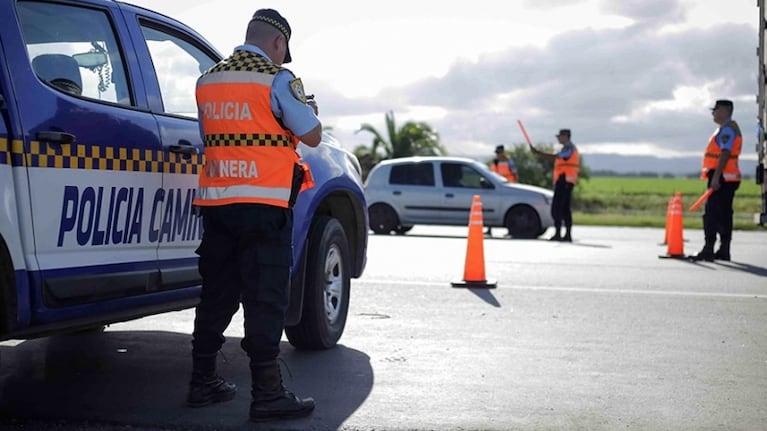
x=244 y=61
x=5 y=152
x=78 y=156
x=247 y=140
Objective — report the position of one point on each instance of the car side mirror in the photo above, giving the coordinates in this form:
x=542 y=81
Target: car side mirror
x=485 y=184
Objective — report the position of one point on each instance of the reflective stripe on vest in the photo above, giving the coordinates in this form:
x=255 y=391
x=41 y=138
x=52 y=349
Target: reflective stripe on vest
x=249 y=156
x=569 y=167
x=731 y=171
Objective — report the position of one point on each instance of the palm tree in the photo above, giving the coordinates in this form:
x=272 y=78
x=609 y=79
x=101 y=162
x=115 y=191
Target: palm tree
x=412 y=139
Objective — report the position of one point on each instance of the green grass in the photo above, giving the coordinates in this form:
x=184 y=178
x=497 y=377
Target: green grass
x=639 y=201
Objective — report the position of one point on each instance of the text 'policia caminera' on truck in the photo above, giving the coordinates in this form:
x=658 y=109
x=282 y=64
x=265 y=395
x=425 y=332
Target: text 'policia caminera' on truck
x=115 y=215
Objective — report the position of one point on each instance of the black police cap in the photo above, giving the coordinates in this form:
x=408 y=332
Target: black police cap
x=271 y=16
x=723 y=103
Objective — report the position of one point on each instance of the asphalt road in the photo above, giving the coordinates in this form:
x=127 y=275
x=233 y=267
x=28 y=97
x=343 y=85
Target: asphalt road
x=600 y=334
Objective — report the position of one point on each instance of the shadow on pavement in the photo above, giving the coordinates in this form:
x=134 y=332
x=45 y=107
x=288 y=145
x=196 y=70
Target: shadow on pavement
x=745 y=267
x=140 y=379
x=486 y=296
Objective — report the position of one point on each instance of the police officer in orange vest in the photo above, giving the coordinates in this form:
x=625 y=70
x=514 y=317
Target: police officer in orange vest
x=253 y=112
x=566 y=168
x=503 y=166
x=721 y=171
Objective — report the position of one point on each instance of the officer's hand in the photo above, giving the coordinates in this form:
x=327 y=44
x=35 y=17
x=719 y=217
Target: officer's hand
x=715 y=183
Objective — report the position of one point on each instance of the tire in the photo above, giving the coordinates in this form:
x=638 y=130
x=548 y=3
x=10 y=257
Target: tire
x=326 y=288
x=383 y=219
x=522 y=221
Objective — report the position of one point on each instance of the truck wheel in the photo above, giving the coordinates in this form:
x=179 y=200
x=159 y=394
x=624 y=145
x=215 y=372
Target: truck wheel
x=326 y=288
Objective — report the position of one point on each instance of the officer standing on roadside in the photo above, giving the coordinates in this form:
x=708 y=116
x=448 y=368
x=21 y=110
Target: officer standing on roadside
x=566 y=168
x=721 y=171
x=252 y=113
x=503 y=166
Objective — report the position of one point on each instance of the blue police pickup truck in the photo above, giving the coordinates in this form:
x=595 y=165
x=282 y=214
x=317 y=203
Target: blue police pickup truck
x=99 y=156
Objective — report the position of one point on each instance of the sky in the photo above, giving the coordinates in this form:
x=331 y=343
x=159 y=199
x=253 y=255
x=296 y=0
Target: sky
x=629 y=77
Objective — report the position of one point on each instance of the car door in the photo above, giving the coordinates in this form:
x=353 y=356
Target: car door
x=460 y=182
x=413 y=189
x=178 y=59
x=92 y=156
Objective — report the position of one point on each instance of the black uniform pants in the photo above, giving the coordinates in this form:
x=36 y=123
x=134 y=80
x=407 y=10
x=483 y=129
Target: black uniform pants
x=717 y=218
x=560 y=204
x=245 y=257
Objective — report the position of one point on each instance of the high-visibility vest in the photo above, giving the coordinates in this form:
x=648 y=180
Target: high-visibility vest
x=569 y=167
x=731 y=170
x=249 y=156
x=502 y=168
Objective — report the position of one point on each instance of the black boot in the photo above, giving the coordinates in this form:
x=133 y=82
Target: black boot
x=724 y=251
x=567 y=237
x=270 y=398
x=706 y=254
x=206 y=387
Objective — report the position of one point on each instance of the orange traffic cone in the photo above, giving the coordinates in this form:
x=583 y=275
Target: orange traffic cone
x=675 y=225
x=677 y=195
x=474 y=269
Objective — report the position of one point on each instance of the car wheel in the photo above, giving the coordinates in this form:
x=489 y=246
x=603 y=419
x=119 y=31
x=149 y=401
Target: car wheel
x=401 y=230
x=326 y=288
x=383 y=219
x=523 y=222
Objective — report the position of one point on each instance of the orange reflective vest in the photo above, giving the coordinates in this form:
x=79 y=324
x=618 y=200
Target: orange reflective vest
x=502 y=168
x=731 y=170
x=569 y=167
x=249 y=156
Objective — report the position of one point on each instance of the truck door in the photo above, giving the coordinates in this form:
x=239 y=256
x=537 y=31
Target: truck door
x=92 y=155
x=178 y=59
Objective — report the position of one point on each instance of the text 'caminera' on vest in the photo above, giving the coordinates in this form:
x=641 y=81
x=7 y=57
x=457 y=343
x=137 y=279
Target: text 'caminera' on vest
x=231 y=169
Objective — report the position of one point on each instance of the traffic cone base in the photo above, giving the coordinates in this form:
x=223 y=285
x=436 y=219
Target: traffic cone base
x=474 y=269
x=486 y=284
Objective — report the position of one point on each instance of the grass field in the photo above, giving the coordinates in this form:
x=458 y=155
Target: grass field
x=639 y=201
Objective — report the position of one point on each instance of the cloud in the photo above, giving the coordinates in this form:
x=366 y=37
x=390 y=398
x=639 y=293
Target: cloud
x=614 y=86
x=653 y=12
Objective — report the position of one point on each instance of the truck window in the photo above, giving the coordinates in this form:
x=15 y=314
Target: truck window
x=177 y=64
x=74 y=50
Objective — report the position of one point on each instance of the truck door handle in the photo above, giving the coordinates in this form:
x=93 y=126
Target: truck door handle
x=449 y=195
x=183 y=147
x=56 y=137
x=396 y=193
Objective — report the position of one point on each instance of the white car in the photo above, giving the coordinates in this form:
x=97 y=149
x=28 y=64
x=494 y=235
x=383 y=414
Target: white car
x=439 y=191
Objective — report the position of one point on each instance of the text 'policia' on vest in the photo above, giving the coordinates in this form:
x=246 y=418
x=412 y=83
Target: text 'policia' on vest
x=249 y=156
